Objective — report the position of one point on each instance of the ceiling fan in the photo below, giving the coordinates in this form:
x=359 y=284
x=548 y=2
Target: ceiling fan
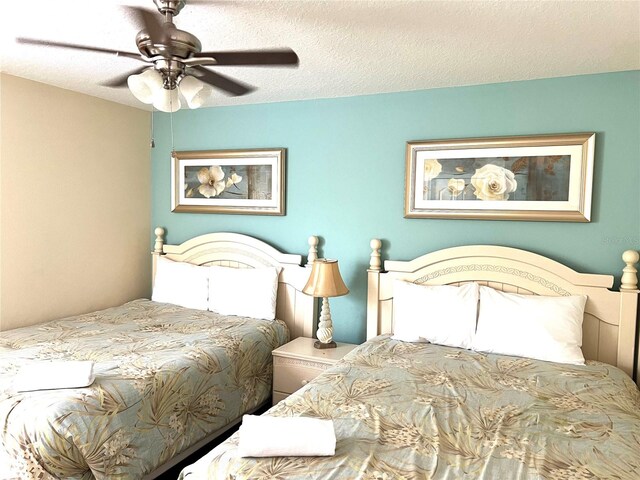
x=175 y=63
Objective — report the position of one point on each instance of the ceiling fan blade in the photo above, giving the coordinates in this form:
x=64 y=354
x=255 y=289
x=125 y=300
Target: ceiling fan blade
x=232 y=87
x=253 y=57
x=121 y=80
x=47 y=43
x=149 y=21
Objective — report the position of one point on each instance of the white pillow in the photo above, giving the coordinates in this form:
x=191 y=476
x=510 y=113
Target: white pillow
x=546 y=328
x=181 y=283
x=441 y=314
x=246 y=292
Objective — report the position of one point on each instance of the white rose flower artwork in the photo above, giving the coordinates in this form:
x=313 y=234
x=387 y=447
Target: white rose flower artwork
x=211 y=181
x=492 y=182
x=432 y=169
x=221 y=181
x=234 y=179
x=525 y=177
x=455 y=186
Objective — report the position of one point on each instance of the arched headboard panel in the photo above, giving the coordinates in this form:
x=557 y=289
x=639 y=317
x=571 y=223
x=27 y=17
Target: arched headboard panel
x=235 y=250
x=609 y=328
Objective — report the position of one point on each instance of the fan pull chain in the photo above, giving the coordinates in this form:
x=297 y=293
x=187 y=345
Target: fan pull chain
x=173 y=148
x=152 y=143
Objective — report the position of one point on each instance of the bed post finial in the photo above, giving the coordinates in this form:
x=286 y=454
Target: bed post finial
x=157 y=248
x=630 y=272
x=313 y=249
x=374 y=262
x=373 y=289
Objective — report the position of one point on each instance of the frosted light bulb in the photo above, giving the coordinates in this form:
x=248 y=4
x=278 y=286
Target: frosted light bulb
x=145 y=85
x=194 y=91
x=167 y=100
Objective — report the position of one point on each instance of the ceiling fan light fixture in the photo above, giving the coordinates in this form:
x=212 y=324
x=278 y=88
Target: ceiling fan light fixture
x=194 y=91
x=167 y=100
x=168 y=53
x=145 y=85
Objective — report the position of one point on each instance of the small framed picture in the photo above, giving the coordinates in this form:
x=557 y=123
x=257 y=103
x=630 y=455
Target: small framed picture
x=229 y=181
x=535 y=178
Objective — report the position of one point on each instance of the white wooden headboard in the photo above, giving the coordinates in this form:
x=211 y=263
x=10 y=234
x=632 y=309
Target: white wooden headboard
x=295 y=308
x=609 y=328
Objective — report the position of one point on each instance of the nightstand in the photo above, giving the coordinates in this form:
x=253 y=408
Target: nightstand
x=298 y=362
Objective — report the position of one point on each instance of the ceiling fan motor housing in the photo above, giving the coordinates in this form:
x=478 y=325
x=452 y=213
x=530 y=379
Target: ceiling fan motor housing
x=176 y=43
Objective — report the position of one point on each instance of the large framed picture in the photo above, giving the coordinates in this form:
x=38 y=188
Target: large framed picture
x=229 y=181
x=536 y=178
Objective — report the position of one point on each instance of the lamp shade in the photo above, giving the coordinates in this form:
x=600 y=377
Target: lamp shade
x=195 y=92
x=145 y=85
x=167 y=100
x=325 y=280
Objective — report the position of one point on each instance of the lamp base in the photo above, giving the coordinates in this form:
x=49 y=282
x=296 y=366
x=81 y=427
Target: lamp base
x=319 y=344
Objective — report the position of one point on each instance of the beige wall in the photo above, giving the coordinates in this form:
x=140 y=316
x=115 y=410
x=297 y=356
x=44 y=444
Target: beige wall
x=75 y=203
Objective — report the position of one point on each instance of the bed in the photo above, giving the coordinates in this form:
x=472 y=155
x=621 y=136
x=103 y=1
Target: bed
x=169 y=379
x=404 y=410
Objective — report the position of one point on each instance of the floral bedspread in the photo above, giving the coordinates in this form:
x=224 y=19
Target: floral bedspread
x=166 y=377
x=421 y=411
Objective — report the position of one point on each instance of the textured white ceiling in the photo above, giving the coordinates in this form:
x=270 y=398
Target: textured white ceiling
x=345 y=47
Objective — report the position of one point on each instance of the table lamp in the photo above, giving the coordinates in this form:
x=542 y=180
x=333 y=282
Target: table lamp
x=325 y=281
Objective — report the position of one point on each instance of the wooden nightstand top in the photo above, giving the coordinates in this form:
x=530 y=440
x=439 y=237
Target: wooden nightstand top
x=302 y=348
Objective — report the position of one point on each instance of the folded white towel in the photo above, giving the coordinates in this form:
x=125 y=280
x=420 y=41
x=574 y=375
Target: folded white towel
x=266 y=436
x=53 y=375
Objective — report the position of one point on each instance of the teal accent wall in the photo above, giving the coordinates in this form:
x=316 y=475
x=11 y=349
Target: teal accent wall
x=345 y=172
